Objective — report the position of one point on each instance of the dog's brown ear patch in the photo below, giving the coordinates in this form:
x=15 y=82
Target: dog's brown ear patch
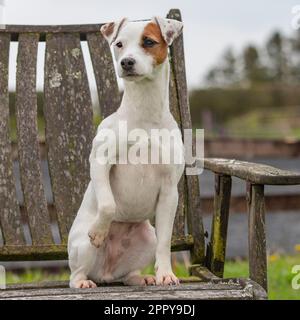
x=108 y=29
x=111 y=30
x=159 y=51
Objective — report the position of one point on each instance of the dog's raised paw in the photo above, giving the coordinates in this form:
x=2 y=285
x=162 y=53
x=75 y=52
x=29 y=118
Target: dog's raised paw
x=85 y=284
x=97 y=238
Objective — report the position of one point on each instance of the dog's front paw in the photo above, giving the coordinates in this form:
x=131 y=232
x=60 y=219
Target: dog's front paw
x=97 y=237
x=85 y=284
x=166 y=278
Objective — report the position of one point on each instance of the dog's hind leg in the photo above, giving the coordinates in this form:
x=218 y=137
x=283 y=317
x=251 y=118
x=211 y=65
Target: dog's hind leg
x=82 y=258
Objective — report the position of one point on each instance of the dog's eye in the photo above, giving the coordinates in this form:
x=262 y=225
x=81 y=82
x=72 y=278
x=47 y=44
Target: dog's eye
x=119 y=44
x=149 y=42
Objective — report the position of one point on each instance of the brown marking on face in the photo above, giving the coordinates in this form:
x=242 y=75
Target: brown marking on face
x=160 y=50
x=108 y=29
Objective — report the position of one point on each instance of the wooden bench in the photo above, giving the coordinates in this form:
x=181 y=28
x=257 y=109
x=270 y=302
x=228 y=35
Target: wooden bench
x=69 y=132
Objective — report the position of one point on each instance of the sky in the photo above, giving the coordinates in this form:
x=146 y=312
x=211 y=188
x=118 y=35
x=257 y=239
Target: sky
x=209 y=26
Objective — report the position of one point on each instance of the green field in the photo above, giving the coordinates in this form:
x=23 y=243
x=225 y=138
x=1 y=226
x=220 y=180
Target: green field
x=279 y=275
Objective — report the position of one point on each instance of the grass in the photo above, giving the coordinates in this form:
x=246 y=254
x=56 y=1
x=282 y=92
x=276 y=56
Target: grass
x=267 y=124
x=279 y=275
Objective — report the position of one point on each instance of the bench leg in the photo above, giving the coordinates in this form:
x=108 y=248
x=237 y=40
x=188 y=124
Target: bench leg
x=216 y=252
x=257 y=235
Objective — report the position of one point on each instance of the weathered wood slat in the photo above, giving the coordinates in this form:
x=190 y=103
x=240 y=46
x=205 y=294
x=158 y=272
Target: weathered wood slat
x=107 y=86
x=256 y=173
x=119 y=286
x=183 y=292
x=257 y=235
x=72 y=28
x=10 y=218
x=69 y=127
x=217 y=247
x=191 y=284
x=179 y=223
x=28 y=144
x=227 y=289
x=59 y=252
x=57 y=288
x=33 y=252
x=176 y=295
x=194 y=217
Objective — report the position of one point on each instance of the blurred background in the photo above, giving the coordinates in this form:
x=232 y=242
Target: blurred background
x=243 y=71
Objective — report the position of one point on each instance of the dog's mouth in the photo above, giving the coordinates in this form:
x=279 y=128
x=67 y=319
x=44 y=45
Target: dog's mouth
x=131 y=75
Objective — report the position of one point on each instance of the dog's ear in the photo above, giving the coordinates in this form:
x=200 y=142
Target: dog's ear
x=169 y=28
x=111 y=30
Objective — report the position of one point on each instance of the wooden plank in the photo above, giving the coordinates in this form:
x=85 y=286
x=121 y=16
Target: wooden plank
x=217 y=254
x=162 y=294
x=119 y=288
x=43 y=30
x=33 y=252
x=107 y=86
x=176 y=295
x=184 y=291
x=256 y=173
x=179 y=223
x=69 y=126
x=61 y=284
x=194 y=216
x=257 y=235
x=72 y=28
x=59 y=252
x=202 y=272
x=10 y=218
x=28 y=144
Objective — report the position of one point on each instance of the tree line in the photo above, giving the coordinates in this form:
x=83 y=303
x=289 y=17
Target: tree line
x=258 y=77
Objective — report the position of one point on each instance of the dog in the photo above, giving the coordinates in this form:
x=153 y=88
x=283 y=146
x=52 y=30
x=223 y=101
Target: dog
x=112 y=239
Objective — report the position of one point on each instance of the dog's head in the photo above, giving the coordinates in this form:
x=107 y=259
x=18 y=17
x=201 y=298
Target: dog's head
x=140 y=47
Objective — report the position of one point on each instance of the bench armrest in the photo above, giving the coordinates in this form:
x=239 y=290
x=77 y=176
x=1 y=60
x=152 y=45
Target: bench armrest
x=255 y=173
x=256 y=176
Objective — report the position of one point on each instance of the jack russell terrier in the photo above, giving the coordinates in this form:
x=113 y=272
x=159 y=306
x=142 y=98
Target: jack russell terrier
x=112 y=239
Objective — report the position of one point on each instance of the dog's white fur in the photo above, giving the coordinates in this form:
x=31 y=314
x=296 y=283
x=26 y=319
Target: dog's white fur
x=125 y=195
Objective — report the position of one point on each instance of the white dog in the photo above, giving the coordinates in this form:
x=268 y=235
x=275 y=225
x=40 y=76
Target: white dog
x=111 y=238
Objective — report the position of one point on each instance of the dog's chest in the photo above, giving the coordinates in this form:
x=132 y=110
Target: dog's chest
x=135 y=189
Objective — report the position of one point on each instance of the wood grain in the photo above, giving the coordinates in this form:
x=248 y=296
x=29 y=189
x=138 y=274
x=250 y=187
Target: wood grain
x=10 y=217
x=257 y=235
x=69 y=126
x=194 y=215
x=216 y=252
x=256 y=173
x=28 y=144
x=107 y=86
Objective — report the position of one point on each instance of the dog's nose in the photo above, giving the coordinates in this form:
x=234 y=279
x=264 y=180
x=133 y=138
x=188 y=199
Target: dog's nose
x=127 y=64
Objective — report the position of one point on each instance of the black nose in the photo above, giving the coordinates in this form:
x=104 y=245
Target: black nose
x=127 y=64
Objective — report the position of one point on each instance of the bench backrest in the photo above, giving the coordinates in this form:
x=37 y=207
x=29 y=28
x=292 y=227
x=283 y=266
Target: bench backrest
x=68 y=115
